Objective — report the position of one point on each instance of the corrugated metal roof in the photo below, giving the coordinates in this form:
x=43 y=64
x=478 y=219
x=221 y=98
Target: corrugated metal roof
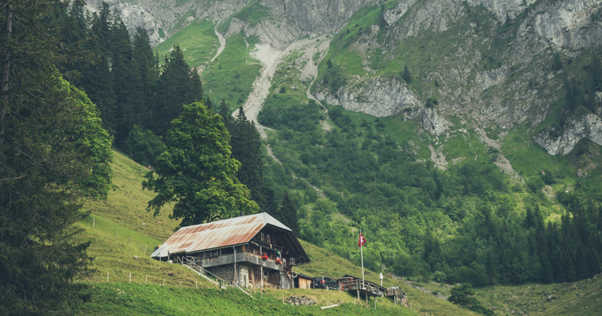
x=223 y=233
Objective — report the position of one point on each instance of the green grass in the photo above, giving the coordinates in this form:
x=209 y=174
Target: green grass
x=118 y=236
x=232 y=74
x=198 y=40
x=140 y=299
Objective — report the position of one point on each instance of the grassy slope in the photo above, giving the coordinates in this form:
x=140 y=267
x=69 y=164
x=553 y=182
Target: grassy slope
x=232 y=74
x=119 y=236
x=579 y=298
x=199 y=41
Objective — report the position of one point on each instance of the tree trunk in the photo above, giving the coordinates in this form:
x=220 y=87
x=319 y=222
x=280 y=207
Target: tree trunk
x=8 y=28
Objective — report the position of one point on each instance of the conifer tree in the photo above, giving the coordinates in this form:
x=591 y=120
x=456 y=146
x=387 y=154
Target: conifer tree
x=126 y=79
x=288 y=213
x=53 y=152
x=246 y=148
x=178 y=85
x=224 y=113
x=97 y=79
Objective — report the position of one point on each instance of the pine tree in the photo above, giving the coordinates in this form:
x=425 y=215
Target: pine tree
x=146 y=65
x=53 y=152
x=224 y=113
x=178 y=85
x=407 y=76
x=288 y=213
x=97 y=79
x=126 y=80
x=246 y=148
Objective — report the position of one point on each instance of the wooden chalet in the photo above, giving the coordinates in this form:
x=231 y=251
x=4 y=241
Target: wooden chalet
x=250 y=251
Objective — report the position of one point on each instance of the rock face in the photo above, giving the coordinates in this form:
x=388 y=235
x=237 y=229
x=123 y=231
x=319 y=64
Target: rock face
x=375 y=96
x=589 y=126
x=495 y=72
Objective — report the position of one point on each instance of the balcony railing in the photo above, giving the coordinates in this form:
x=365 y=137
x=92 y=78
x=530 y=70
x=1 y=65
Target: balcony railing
x=240 y=258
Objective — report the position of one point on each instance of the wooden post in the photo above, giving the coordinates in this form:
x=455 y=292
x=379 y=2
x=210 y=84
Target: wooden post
x=196 y=284
x=358 y=294
x=282 y=299
x=261 y=254
x=130 y=278
x=163 y=282
x=235 y=281
x=93 y=222
x=107 y=277
x=145 y=249
x=146 y=279
x=375 y=302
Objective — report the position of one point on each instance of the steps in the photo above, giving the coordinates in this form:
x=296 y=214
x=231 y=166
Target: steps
x=202 y=275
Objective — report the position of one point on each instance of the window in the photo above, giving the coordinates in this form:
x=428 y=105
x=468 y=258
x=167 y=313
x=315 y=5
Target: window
x=269 y=239
x=262 y=237
x=292 y=260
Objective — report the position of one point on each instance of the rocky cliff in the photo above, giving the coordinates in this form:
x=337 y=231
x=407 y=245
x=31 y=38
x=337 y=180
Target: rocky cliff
x=484 y=61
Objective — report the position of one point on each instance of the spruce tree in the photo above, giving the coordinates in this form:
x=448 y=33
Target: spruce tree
x=246 y=148
x=178 y=85
x=146 y=65
x=288 y=213
x=224 y=113
x=126 y=80
x=53 y=152
x=407 y=76
x=97 y=79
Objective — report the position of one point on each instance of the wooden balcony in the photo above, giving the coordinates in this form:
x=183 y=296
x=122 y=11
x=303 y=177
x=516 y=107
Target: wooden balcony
x=241 y=257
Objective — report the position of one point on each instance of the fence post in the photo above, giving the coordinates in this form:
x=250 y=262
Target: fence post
x=196 y=284
x=107 y=277
x=146 y=279
x=93 y=222
x=163 y=282
x=130 y=278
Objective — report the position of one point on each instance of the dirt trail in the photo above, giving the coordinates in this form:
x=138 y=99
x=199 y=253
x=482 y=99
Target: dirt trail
x=222 y=43
x=269 y=57
x=311 y=68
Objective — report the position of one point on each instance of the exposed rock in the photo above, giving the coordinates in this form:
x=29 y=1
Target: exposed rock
x=375 y=96
x=393 y=15
x=576 y=129
x=300 y=301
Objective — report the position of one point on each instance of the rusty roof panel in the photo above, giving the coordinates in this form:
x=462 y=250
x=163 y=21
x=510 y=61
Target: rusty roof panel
x=228 y=232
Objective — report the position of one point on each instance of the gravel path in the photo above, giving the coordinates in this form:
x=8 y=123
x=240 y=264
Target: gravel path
x=222 y=43
x=269 y=57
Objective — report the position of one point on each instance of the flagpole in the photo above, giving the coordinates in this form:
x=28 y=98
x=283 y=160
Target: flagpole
x=362 y=252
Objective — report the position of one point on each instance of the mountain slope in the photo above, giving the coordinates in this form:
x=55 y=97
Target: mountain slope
x=122 y=228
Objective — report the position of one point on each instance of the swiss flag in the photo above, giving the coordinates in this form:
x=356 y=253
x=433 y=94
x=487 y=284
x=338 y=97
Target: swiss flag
x=362 y=241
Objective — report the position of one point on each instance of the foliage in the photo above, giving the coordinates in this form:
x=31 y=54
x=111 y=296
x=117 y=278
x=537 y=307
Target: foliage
x=178 y=85
x=196 y=171
x=463 y=295
x=246 y=148
x=53 y=152
x=144 y=146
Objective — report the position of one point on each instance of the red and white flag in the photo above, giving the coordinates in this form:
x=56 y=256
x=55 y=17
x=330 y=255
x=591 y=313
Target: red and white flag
x=362 y=241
